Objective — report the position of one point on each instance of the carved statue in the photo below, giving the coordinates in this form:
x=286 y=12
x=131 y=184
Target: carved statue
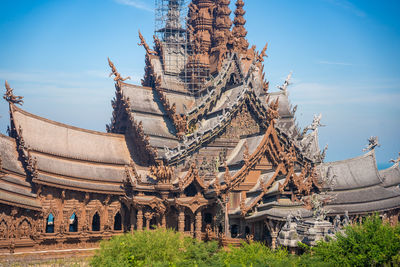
x=114 y=72
x=314 y=125
x=10 y=97
x=336 y=223
x=372 y=143
x=317 y=204
x=286 y=83
x=391 y=161
x=346 y=219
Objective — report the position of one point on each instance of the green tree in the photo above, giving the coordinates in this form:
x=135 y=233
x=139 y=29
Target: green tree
x=369 y=244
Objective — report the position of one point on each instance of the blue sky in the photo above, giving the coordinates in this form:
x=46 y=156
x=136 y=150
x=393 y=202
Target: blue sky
x=344 y=55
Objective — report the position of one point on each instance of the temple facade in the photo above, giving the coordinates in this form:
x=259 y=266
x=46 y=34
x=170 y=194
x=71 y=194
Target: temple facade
x=201 y=147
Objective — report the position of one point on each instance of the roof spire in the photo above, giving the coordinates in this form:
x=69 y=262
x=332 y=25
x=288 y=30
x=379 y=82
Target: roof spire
x=239 y=32
x=222 y=36
x=10 y=97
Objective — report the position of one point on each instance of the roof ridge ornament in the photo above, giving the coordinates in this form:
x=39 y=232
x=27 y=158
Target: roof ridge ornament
x=114 y=72
x=145 y=45
x=395 y=161
x=286 y=84
x=314 y=125
x=10 y=97
x=373 y=142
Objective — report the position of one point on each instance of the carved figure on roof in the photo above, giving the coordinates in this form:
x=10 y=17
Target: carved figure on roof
x=314 y=125
x=286 y=83
x=114 y=72
x=10 y=97
x=323 y=154
x=391 y=161
x=372 y=143
x=162 y=173
x=273 y=107
x=145 y=45
x=263 y=54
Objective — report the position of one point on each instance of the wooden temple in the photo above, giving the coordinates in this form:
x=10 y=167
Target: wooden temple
x=214 y=156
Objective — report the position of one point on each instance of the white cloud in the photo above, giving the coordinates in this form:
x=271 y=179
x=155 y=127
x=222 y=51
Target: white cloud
x=136 y=4
x=334 y=63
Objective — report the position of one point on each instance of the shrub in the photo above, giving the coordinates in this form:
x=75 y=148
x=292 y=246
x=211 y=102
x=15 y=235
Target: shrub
x=369 y=244
x=155 y=248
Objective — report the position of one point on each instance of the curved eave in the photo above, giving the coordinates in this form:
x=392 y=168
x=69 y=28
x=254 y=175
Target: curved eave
x=66 y=183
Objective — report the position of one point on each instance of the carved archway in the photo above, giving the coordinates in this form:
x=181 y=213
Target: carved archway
x=3 y=229
x=24 y=229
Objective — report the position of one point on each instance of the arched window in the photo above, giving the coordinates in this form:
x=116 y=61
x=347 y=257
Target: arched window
x=73 y=223
x=118 y=222
x=50 y=223
x=96 y=222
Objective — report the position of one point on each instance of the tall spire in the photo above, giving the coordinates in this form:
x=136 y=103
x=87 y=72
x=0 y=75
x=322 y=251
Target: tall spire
x=239 y=32
x=201 y=15
x=222 y=36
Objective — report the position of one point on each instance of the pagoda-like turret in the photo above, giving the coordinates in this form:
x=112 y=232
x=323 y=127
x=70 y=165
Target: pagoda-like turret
x=239 y=32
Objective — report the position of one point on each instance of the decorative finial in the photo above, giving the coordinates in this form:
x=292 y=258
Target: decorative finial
x=10 y=97
x=286 y=83
x=323 y=154
x=263 y=54
x=372 y=143
x=314 y=125
x=114 y=72
x=394 y=161
x=145 y=45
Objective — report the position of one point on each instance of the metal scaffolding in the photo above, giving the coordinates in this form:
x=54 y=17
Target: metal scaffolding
x=170 y=29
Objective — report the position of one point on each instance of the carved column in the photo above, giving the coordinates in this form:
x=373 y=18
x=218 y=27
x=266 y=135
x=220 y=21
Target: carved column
x=274 y=227
x=181 y=220
x=163 y=221
x=132 y=219
x=199 y=223
x=148 y=217
x=139 y=219
x=192 y=225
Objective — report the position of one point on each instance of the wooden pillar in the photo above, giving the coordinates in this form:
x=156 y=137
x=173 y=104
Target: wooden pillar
x=199 y=223
x=139 y=219
x=274 y=236
x=226 y=224
x=181 y=220
x=163 y=221
x=192 y=225
x=148 y=217
x=132 y=220
x=274 y=227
